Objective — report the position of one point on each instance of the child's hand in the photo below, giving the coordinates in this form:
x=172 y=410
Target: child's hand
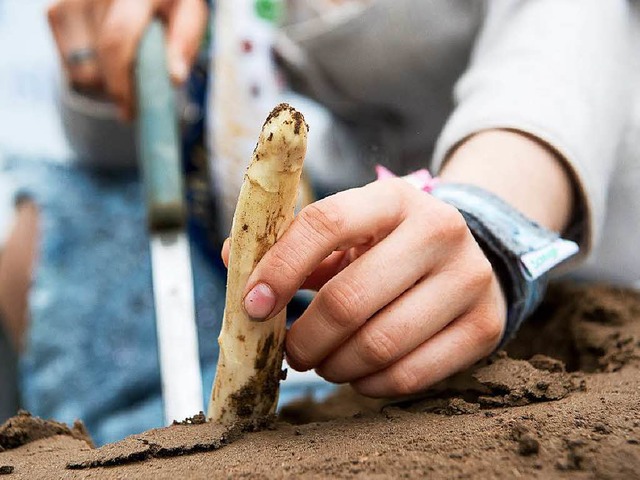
x=98 y=41
x=406 y=297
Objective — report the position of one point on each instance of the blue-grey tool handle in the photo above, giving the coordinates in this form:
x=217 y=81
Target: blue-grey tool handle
x=157 y=134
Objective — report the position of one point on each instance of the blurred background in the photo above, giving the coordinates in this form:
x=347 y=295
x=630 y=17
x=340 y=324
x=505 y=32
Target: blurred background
x=30 y=126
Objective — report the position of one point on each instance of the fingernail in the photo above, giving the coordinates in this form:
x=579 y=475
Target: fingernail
x=179 y=70
x=260 y=302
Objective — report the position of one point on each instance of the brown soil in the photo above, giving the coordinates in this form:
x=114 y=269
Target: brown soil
x=25 y=428
x=521 y=414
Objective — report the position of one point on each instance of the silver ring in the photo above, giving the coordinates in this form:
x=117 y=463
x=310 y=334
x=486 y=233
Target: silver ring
x=81 y=55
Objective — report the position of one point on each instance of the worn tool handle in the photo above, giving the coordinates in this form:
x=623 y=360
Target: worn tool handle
x=157 y=134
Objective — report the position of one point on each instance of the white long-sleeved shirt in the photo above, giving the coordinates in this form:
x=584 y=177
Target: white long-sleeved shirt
x=564 y=71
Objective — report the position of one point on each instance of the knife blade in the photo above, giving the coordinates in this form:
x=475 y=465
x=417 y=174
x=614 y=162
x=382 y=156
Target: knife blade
x=158 y=144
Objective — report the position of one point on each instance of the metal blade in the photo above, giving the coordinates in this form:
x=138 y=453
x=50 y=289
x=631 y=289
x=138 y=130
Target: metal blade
x=175 y=320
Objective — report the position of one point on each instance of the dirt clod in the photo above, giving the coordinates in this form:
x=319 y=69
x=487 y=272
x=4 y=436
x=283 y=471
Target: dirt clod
x=602 y=428
x=6 y=469
x=25 y=428
x=197 y=419
x=528 y=444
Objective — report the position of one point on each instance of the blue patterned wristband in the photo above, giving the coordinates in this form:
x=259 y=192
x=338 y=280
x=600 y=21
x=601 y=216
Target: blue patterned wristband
x=521 y=251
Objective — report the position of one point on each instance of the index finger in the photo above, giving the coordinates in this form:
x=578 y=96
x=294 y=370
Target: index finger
x=347 y=219
x=329 y=267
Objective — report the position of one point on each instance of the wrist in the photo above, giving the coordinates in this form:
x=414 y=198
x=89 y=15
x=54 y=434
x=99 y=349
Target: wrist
x=521 y=252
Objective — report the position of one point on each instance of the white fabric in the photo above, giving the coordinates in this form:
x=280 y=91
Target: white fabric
x=566 y=71
x=244 y=89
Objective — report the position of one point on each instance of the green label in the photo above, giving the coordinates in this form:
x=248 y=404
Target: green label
x=270 y=10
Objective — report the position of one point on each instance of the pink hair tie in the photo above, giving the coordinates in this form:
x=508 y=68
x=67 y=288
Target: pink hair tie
x=421 y=179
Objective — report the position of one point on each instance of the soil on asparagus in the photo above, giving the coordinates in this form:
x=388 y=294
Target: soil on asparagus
x=562 y=402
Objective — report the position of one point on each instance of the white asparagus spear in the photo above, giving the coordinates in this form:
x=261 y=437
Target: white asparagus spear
x=250 y=362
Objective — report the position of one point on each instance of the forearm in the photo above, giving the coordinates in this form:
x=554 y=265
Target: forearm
x=519 y=169
x=542 y=81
